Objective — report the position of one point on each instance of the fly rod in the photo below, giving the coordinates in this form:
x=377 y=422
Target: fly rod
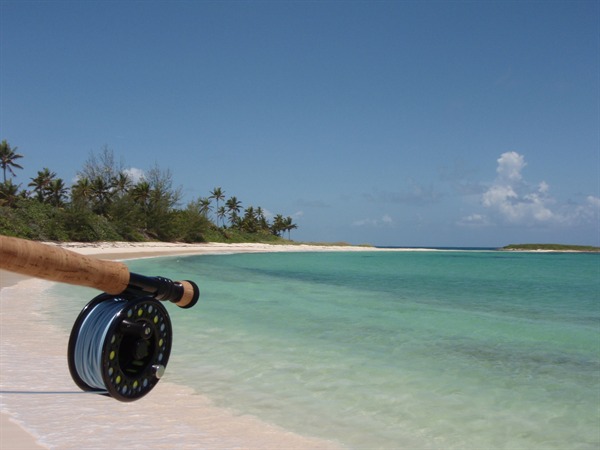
x=121 y=340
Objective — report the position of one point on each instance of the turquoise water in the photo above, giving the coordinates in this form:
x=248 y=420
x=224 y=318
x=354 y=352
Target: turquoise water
x=444 y=350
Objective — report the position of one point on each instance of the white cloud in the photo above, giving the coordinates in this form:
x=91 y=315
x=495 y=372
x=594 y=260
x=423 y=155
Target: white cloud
x=385 y=220
x=510 y=165
x=135 y=174
x=589 y=211
x=511 y=199
x=593 y=201
x=364 y=222
x=475 y=220
x=543 y=187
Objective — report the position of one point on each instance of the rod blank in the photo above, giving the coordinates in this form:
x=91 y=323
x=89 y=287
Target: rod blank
x=58 y=264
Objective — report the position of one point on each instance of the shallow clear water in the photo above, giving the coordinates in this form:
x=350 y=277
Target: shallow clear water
x=395 y=349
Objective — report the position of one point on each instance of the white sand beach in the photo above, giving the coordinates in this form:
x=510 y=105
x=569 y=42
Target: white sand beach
x=43 y=408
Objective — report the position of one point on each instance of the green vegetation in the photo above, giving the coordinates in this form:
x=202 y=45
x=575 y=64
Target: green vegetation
x=106 y=204
x=552 y=247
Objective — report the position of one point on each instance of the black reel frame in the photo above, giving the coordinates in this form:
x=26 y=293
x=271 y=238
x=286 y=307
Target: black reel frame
x=136 y=347
x=136 y=332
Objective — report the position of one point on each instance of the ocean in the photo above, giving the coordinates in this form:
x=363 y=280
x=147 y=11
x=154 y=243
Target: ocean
x=411 y=349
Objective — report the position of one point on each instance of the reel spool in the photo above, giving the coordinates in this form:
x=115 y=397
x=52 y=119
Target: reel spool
x=120 y=345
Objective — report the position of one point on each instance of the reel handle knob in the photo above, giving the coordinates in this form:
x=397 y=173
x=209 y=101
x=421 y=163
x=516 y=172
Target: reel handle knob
x=190 y=295
x=159 y=370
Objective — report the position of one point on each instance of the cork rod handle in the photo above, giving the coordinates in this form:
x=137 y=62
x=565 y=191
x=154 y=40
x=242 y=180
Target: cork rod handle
x=57 y=264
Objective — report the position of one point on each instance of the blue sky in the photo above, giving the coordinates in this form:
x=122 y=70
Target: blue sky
x=392 y=123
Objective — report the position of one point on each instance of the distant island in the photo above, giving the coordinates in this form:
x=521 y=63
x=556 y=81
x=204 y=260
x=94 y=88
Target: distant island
x=551 y=248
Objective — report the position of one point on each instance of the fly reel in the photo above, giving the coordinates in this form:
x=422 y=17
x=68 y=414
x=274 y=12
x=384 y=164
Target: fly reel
x=121 y=341
x=120 y=346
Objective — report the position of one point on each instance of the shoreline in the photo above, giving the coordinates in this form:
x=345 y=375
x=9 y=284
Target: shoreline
x=35 y=376
x=26 y=387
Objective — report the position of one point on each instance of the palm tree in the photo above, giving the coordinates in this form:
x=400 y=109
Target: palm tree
x=122 y=183
x=57 y=192
x=8 y=193
x=101 y=193
x=249 y=220
x=141 y=192
x=81 y=191
x=204 y=206
x=278 y=225
x=262 y=220
x=218 y=194
x=233 y=208
x=7 y=158
x=221 y=213
x=289 y=226
x=41 y=183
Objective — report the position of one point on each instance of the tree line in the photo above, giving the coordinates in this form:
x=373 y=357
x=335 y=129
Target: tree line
x=108 y=202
